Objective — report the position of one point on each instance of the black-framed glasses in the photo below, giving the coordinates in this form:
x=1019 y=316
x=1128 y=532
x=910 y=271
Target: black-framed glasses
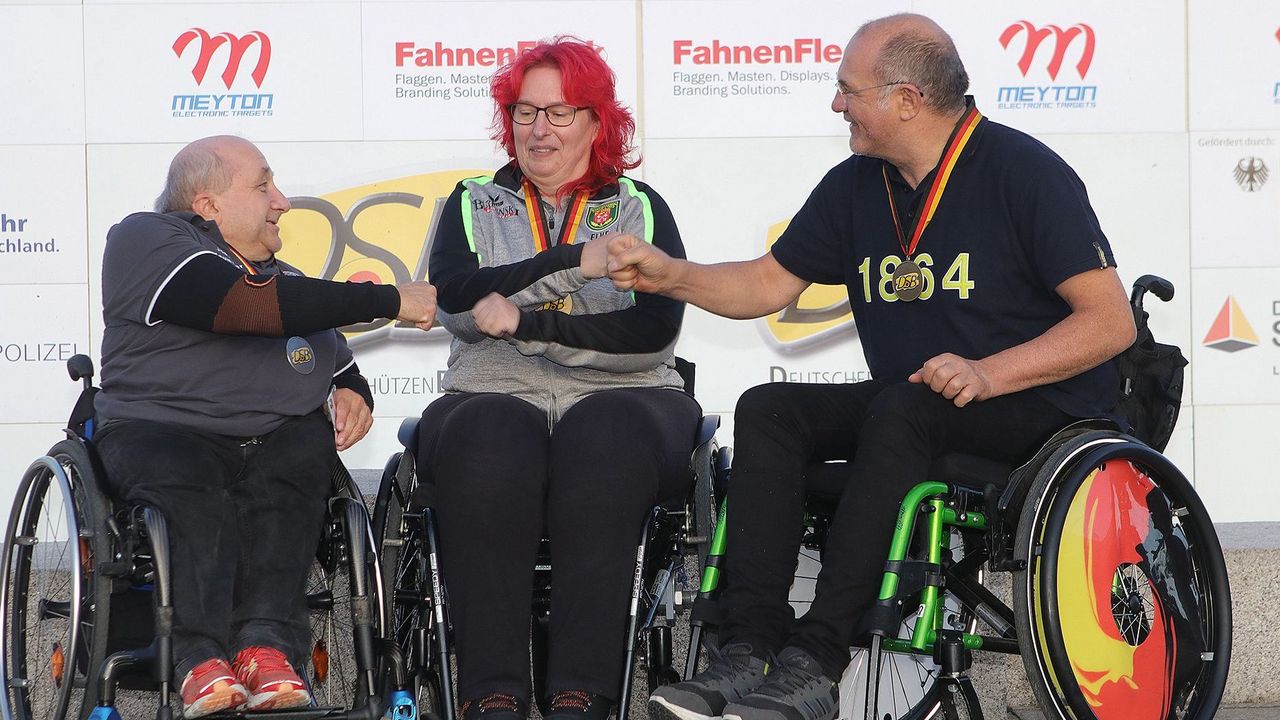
x=843 y=90
x=558 y=115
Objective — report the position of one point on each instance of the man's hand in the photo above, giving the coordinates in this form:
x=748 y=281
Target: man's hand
x=595 y=258
x=954 y=378
x=351 y=418
x=496 y=316
x=417 y=304
x=636 y=265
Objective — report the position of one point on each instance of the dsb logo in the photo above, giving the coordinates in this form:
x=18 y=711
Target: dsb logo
x=236 y=49
x=1062 y=39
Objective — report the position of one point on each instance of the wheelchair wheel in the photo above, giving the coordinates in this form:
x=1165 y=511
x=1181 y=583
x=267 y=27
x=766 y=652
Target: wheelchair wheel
x=1123 y=611
x=407 y=584
x=52 y=645
x=909 y=686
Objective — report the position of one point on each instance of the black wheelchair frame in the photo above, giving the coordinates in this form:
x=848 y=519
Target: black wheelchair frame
x=108 y=597
x=404 y=521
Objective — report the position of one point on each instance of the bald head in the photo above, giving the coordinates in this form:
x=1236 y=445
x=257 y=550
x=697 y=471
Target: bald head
x=201 y=166
x=913 y=48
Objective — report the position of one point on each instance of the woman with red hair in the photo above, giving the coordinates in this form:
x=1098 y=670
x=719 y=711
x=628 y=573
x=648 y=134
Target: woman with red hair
x=564 y=413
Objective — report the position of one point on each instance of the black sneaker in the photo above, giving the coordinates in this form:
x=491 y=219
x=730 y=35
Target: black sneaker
x=578 y=705
x=494 y=706
x=794 y=689
x=732 y=674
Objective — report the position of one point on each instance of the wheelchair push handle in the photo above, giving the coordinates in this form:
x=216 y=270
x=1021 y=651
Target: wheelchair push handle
x=80 y=367
x=1153 y=284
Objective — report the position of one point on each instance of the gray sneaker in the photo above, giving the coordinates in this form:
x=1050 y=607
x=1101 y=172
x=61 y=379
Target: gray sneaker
x=794 y=689
x=733 y=673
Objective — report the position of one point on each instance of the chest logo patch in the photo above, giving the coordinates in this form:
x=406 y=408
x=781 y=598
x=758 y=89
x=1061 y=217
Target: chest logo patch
x=300 y=355
x=563 y=305
x=602 y=216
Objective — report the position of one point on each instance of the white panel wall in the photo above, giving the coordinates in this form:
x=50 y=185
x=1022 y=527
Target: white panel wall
x=1169 y=112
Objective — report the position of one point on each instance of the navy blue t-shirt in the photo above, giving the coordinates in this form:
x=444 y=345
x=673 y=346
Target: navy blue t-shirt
x=1013 y=224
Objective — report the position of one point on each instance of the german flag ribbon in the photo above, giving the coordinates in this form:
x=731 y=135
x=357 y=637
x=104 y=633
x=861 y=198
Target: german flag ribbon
x=538 y=219
x=248 y=266
x=950 y=157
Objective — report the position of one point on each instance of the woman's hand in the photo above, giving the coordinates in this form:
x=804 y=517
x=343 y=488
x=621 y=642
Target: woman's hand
x=595 y=258
x=496 y=316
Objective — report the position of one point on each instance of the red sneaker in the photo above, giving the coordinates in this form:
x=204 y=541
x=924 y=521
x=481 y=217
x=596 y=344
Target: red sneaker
x=271 y=680
x=211 y=687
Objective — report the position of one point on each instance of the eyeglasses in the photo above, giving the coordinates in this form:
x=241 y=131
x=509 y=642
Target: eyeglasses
x=840 y=87
x=558 y=115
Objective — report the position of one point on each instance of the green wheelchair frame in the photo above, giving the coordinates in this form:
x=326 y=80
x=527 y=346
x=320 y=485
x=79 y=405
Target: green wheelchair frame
x=1171 y=604
x=1141 y=629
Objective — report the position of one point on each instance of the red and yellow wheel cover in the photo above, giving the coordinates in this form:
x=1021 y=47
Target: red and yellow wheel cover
x=1107 y=526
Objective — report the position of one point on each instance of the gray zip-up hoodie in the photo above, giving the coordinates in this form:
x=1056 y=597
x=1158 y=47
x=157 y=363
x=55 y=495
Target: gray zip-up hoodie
x=576 y=336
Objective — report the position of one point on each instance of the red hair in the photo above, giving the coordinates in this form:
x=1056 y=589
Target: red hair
x=587 y=82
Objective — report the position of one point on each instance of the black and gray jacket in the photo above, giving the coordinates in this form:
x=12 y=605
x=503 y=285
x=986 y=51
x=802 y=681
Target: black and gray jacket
x=576 y=336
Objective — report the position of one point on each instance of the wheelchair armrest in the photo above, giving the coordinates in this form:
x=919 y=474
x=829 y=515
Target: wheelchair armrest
x=408 y=432
x=706 y=430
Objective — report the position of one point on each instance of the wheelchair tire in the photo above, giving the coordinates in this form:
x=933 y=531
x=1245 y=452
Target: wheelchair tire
x=909 y=684
x=55 y=606
x=405 y=588
x=710 y=464
x=1123 y=610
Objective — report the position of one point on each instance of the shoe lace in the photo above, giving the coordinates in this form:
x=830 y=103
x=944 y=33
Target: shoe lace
x=571 y=700
x=264 y=659
x=726 y=661
x=784 y=679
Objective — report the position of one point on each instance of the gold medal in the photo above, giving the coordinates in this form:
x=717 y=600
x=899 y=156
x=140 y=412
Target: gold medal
x=908 y=278
x=908 y=281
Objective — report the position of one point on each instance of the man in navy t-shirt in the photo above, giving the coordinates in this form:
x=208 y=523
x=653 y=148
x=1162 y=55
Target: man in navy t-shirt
x=226 y=392
x=989 y=309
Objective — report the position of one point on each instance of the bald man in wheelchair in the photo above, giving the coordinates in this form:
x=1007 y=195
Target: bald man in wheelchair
x=226 y=394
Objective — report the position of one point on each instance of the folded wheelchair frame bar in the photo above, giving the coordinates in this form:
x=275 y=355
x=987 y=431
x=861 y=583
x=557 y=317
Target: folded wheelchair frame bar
x=705 y=605
x=420 y=520
x=431 y=568
x=159 y=655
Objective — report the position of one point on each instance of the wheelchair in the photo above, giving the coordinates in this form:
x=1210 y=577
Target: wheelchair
x=1121 y=603
x=673 y=546
x=87 y=597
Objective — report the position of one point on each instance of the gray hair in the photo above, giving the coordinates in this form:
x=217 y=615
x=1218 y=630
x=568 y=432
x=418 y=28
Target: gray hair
x=928 y=60
x=197 y=168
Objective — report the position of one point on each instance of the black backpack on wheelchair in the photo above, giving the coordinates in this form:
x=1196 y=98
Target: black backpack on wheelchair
x=1150 y=373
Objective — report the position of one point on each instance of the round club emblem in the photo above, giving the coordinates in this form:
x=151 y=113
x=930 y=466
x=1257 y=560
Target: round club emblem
x=300 y=355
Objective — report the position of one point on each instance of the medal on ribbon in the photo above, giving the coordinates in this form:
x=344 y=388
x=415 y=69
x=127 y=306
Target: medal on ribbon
x=908 y=277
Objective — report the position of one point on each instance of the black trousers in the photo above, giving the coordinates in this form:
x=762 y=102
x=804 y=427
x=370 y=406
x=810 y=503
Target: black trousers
x=503 y=479
x=890 y=433
x=244 y=517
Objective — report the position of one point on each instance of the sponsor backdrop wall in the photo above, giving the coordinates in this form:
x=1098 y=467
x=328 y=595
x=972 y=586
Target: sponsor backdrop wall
x=371 y=111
